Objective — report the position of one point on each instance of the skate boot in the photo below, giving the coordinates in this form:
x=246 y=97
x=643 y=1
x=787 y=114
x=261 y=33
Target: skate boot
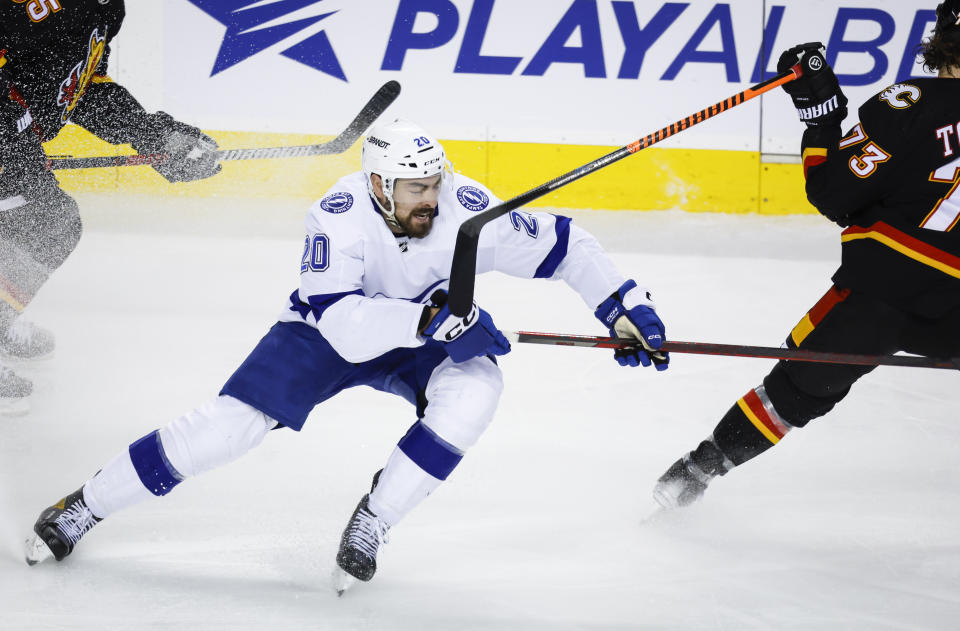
x=686 y=480
x=25 y=340
x=683 y=484
x=59 y=528
x=14 y=392
x=361 y=540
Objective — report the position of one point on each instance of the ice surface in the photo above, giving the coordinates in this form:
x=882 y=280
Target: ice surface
x=851 y=523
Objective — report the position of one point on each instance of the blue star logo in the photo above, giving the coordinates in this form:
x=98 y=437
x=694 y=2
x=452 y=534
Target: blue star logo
x=244 y=39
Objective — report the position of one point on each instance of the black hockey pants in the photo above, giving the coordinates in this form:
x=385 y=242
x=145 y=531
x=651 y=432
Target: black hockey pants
x=39 y=226
x=794 y=393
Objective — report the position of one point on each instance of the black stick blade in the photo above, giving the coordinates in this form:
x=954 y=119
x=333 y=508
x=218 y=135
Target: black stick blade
x=377 y=104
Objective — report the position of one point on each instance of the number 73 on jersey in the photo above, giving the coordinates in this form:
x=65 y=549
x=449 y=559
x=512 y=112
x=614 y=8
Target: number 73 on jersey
x=946 y=213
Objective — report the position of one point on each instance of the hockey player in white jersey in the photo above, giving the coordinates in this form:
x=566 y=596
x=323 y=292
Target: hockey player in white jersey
x=370 y=311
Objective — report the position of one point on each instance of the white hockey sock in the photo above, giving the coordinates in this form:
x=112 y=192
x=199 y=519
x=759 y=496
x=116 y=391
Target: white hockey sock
x=401 y=486
x=213 y=434
x=115 y=486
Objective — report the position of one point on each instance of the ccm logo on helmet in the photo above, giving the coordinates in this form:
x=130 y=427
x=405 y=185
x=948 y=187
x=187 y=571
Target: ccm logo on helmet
x=383 y=144
x=472 y=198
x=337 y=203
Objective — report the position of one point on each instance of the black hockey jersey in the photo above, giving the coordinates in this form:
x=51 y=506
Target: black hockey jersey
x=55 y=54
x=894 y=181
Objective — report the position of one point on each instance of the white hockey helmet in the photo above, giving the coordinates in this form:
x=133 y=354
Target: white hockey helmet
x=400 y=150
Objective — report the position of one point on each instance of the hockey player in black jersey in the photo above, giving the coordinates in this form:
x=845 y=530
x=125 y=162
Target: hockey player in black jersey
x=893 y=183
x=53 y=65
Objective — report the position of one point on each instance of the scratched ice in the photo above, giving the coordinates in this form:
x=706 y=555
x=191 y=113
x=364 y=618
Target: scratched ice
x=848 y=524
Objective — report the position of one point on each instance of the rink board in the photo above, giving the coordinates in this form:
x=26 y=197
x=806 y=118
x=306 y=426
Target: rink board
x=696 y=180
x=521 y=90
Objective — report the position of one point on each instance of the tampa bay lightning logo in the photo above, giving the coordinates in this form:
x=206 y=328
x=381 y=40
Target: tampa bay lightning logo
x=472 y=198
x=337 y=203
x=247 y=35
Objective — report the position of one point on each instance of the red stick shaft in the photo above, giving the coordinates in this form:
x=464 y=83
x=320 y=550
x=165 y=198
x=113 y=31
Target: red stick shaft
x=737 y=350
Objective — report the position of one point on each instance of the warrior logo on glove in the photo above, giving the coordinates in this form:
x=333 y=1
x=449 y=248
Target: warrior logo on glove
x=816 y=94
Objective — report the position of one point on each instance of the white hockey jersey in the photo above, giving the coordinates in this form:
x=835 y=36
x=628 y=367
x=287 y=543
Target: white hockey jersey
x=363 y=287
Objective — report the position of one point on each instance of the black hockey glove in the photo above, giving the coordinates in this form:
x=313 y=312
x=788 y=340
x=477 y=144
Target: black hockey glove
x=816 y=94
x=191 y=154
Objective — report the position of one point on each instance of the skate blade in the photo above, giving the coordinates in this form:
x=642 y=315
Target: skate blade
x=21 y=361
x=342 y=581
x=14 y=407
x=664 y=500
x=36 y=550
x=653 y=513
x=668 y=497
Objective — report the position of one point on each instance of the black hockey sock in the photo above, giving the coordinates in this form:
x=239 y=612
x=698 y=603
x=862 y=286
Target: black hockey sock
x=750 y=427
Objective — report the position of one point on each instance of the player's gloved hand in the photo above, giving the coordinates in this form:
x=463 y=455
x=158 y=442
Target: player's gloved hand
x=816 y=94
x=474 y=335
x=631 y=313
x=191 y=154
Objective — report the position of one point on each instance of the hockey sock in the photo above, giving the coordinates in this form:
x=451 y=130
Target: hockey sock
x=750 y=427
x=207 y=437
x=21 y=277
x=405 y=482
x=429 y=451
x=114 y=487
x=213 y=434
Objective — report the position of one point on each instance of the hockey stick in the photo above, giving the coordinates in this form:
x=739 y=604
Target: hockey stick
x=380 y=101
x=736 y=350
x=464 y=268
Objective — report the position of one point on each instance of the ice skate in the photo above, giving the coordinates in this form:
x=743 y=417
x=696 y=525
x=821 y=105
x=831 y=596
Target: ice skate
x=683 y=484
x=361 y=540
x=14 y=393
x=59 y=528
x=24 y=340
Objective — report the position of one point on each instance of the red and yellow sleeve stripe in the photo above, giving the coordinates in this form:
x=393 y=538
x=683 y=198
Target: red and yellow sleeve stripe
x=813 y=156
